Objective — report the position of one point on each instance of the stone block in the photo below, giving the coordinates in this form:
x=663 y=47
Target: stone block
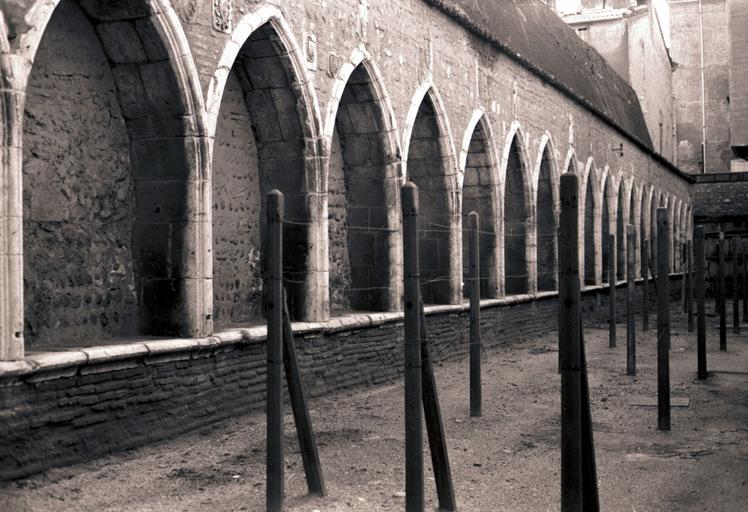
x=162 y=91
x=132 y=97
x=154 y=38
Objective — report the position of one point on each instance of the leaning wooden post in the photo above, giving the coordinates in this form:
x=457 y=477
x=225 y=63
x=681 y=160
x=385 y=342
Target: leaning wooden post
x=689 y=284
x=745 y=281
x=721 y=306
x=274 y=308
x=570 y=348
x=700 y=300
x=684 y=283
x=475 y=342
x=735 y=268
x=663 y=321
x=630 y=301
x=645 y=287
x=413 y=389
x=612 y=290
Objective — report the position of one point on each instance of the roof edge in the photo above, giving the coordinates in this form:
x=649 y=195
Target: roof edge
x=461 y=19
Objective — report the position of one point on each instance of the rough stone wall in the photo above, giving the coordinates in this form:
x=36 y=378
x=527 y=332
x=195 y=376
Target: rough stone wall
x=685 y=53
x=78 y=193
x=80 y=413
x=237 y=248
x=477 y=196
x=337 y=205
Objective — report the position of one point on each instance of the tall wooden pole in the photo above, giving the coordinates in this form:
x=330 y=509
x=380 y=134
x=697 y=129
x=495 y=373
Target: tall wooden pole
x=475 y=341
x=570 y=348
x=735 y=270
x=612 y=291
x=684 y=280
x=721 y=307
x=274 y=262
x=663 y=321
x=645 y=287
x=689 y=284
x=700 y=300
x=745 y=281
x=413 y=389
x=630 y=301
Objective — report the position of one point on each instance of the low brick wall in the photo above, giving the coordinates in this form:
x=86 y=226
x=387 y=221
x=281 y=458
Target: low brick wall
x=59 y=408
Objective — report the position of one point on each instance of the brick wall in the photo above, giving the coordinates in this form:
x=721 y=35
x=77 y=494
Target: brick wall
x=68 y=414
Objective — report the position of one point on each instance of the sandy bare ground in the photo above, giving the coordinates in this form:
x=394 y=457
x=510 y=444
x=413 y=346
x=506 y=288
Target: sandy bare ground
x=508 y=460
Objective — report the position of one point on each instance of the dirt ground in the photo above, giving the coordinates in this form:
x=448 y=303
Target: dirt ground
x=507 y=460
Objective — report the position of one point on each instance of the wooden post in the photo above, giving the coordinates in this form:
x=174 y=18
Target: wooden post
x=475 y=342
x=274 y=308
x=445 y=491
x=689 y=284
x=612 y=290
x=735 y=268
x=630 y=300
x=645 y=287
x=413 y=390
x=663 y=321
x=307 y=446
x=721 y=306
x=745 y=281
x=700 y=300
x=569 y=348
x=683 y=282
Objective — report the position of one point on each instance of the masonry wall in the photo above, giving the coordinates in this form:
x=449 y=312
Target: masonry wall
x=78 y=193
x=70 y=413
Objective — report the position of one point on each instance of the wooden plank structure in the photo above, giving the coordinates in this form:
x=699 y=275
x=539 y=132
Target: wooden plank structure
x=663 y=320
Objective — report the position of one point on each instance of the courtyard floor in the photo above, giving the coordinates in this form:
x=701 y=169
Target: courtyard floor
x=507 y=460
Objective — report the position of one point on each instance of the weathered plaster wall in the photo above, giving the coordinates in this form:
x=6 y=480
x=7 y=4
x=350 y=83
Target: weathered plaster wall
x=687 y=84
x=78 y=201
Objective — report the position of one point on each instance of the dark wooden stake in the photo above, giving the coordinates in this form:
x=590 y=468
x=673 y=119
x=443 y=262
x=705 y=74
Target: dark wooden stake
x=663 y=321
x=569 y=348
x=721 y=306
x=309 y=455
x=684 y=280
x=590 y=496
x=700 y=256
x=475 y=342
x=689 y=284
x=645 y=287
x=275 y=464
x=435 y=427
x=745 y=281
x=630 y=300
x=413 y=390
x=612 y=291
x=735 y=268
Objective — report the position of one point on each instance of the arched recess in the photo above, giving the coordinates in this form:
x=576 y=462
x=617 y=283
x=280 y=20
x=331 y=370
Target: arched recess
x=589 y=215
x=114 y=172
x=479 y=167
x=633 y=219
x=362 y=190
x=644 y=230
x=622 y=216
x=676 y=237
x=429 y=162
x=546 y=214
x=517 y=214
x=607 y=203
x=264 y=118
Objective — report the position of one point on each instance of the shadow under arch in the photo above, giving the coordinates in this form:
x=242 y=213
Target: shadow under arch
x=139 y=257
x=260 y=89
x=429 y=162
x=518 y=236
x=361 y=184
x=546 y=178
x=480 y=194
x=591 y=214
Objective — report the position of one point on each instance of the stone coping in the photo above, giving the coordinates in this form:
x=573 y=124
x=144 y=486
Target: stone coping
x=64 y=362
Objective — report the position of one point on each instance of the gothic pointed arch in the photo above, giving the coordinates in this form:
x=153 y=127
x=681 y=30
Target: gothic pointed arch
x=608 y=224
x=122 y=187
x=479 y=171
x=591 y=214
x=546 y=215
